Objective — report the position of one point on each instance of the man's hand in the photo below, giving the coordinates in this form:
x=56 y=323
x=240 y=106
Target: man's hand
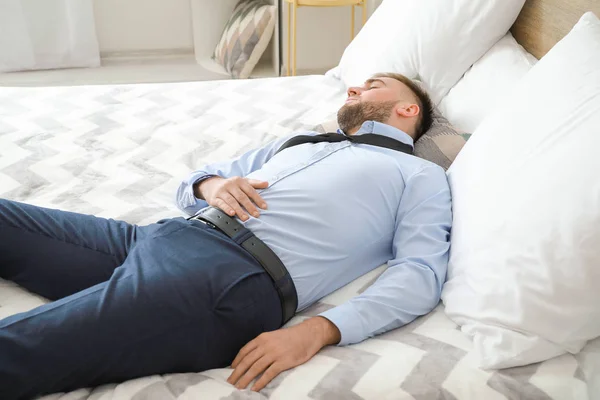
x=274 y=352
x=231 y=194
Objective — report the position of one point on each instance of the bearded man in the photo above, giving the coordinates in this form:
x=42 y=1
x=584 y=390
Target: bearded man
x=269 y=234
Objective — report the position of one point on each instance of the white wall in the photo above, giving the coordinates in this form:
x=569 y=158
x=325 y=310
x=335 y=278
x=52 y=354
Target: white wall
x=132 y=25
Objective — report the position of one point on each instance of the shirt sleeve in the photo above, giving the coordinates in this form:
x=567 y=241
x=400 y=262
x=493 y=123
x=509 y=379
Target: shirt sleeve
x=412 y=283
x=243 y=165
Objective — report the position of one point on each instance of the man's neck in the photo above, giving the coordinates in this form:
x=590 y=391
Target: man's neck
x=352 y=131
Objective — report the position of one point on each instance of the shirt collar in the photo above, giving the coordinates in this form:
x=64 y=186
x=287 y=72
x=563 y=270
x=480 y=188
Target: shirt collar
x=385 y=130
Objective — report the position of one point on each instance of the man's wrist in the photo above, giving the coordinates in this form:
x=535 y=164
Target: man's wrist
x=327 y=332
x=197 y=190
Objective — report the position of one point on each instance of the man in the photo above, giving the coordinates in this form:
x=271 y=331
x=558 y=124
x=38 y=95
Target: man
x=290 y=223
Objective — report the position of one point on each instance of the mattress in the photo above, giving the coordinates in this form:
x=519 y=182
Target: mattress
x=121 y=151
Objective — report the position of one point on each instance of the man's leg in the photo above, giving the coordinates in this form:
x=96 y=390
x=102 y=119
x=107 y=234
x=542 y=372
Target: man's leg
x=56 y=253
x=186 y=298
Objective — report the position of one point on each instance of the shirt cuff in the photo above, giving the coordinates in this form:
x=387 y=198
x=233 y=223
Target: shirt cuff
x=186 y=198
x=348 y=321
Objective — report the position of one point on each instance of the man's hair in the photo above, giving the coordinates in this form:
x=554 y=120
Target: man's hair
x=424 y=102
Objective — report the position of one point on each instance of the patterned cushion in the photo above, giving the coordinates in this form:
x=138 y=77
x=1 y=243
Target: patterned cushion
x=440 y=144
x=245 y=37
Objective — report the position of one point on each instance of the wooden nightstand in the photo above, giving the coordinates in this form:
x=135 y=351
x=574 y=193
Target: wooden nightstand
x=292 y=10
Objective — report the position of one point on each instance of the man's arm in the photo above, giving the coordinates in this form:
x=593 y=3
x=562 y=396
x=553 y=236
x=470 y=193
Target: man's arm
x=411 y=286
x=188 y=198
x=274 y=352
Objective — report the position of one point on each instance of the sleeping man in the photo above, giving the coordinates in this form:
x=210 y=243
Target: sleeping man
x=270 y=233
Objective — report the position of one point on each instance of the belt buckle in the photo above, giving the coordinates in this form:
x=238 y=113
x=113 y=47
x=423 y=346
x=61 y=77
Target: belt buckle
x=210 y=224
x=205 y=222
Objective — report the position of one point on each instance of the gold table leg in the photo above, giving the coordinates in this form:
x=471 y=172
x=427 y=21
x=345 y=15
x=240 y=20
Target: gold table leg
x=352 y=23
x=294 y=39
x=289 y=39
x=364 y=12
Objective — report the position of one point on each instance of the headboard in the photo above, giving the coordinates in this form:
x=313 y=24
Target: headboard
x=542 y=23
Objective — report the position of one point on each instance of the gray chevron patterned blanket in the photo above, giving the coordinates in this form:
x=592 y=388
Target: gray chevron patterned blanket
x=120 y=152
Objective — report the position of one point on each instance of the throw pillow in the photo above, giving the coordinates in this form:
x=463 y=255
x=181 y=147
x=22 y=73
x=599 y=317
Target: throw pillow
x=245 y=37
x=524 y=266
x=491 y=77
x=432 y=40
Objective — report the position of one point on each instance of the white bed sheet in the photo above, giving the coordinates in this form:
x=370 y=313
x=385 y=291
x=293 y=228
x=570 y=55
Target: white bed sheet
x=120 y=152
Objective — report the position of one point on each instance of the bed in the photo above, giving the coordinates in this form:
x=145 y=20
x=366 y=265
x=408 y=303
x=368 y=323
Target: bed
x=120 y=152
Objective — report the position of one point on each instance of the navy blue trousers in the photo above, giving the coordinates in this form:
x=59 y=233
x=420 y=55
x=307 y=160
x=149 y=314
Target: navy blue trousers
x=128 y=301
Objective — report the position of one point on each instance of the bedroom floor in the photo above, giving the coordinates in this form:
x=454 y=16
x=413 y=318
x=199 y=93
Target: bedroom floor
x=175 y=68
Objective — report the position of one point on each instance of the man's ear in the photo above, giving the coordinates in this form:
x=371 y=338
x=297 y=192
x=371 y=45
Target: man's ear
x=408 y=110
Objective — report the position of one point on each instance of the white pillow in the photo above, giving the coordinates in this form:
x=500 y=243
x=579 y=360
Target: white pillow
x=491 y=77
x=433 y=40
x=524 y=273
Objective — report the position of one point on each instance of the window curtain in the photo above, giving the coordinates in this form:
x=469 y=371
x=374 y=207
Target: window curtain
x=47 y=34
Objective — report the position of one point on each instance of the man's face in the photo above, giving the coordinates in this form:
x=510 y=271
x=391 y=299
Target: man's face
x=377 y=90
x=373 y=101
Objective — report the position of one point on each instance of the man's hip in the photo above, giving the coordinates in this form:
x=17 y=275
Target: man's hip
x=269 y=261
x=185 y=299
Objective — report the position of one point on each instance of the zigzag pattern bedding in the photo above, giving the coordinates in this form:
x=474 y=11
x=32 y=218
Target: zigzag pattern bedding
x=120 y=152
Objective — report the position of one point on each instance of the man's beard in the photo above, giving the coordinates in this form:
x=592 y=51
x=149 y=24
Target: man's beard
x=352 y=115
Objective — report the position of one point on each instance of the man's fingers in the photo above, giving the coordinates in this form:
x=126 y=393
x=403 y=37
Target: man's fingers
x=254 y=196
x=275 y=369
x=250 y=346
x=244 y=365
x=257 y=367
x=258 y=184
x=243 y=199
x=225 y=207
x=232 y=202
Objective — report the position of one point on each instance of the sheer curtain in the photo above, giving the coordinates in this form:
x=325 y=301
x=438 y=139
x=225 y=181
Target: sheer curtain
x=47 y=34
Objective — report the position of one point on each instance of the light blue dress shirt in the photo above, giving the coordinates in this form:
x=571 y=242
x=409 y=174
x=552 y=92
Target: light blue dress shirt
x=337 y=211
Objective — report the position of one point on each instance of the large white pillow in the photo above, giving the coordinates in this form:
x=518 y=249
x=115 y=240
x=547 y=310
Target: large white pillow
x=433 y=40
x=491 y=77
x=524 y=273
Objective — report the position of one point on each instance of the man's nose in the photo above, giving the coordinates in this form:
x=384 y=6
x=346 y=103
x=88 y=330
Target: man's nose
x=354 y=91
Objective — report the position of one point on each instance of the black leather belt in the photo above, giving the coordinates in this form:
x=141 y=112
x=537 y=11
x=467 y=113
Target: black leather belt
x=216 y=218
